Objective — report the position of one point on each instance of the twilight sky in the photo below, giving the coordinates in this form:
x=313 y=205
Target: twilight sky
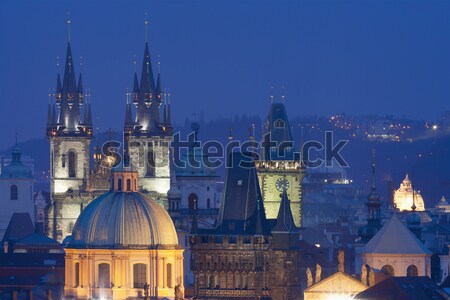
x=222 y=57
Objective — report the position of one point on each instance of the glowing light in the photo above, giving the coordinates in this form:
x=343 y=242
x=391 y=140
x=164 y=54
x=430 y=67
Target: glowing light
x=339 y=296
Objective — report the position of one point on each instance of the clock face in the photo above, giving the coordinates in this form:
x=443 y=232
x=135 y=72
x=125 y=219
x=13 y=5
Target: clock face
x=282 y=184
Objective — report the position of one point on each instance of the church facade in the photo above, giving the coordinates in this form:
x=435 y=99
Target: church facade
x=77 y=174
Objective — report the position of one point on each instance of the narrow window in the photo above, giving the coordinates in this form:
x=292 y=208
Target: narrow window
x=104 y=276
x=14 y=192
x=128 y=184
x=72 y=164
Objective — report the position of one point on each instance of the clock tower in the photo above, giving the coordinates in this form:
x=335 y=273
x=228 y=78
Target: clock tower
x=279 y=168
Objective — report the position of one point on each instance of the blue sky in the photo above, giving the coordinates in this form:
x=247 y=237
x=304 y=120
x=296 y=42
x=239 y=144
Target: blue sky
x=222 y=57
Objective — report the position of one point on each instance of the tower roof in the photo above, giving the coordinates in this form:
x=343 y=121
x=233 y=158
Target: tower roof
x=285 y=220
x=147 y=80
x=278 y=134
x=242 y=207
x=69 y=81
x=395 y=238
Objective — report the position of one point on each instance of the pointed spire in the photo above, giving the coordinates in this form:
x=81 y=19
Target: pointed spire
x=158 y=83
x=87 y=112
x=128 y=114
x=54 y=115
x=135 y=84
x=168 y=117
x=58 y=85
x=68 y=26
x=147 y=80
x=285 y=219
x=49 y=112
x=373 y=170
x=80 y=85
x=260 y=217
x=69 y=82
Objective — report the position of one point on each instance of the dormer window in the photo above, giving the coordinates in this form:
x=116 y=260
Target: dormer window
x=279 y=123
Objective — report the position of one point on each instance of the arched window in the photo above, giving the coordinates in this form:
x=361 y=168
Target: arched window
x=237 y=281
x=104 y=280
x=169 y=275
x=72 y=164
x=388 y=270
x=150 y=162
x=216 y=280
x=128 y=185
x=193 y=201
x=244 y=281
x=139 y=275
x=412 y=271
x=14 y=192
x=278 y=123
x=119 y=184
x=77 y=274
x=209 y=280
x=208 y=203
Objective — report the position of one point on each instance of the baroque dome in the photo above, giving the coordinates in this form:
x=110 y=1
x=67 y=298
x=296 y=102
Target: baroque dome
x=124 y=220
x=403 y=197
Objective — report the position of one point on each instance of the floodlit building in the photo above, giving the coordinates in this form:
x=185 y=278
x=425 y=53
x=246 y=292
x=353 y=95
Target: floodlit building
x=403 y=197
x=396 y=251
x=124 y=245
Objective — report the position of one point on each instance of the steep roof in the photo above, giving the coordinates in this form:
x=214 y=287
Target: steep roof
x=242 y=202
x=395 y=238
x=404 y=288
x=19 y=227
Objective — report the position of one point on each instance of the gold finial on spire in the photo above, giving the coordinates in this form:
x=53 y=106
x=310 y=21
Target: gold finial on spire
x=159 y=63
x=168 y=95
x=81 y=64
x=68 y=26
x=271 y=94
x=146 y=27
x=282 y=94
x=134 y=63
x=49 y=95
x=57 y=64
x=373 y=168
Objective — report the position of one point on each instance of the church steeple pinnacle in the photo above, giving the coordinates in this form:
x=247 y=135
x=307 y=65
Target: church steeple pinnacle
x=69 y=99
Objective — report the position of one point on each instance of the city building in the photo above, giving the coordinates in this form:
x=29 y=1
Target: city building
x=403 y=197
x=279 y=167
x=74 y=180
x=396 y=251
x=246 y=256
x=16 y=190
x=124 y=245
x=193 y=191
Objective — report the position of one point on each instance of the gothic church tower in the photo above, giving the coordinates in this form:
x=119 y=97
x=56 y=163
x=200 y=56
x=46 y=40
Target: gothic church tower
x=150 y=131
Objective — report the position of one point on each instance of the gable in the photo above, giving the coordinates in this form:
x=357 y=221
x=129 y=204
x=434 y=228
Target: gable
x=337 y=283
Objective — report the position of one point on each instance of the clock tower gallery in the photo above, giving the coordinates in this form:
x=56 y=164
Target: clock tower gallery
x=280 y=168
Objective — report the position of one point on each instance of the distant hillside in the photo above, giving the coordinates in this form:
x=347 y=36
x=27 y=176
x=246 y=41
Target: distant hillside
x=426 y=161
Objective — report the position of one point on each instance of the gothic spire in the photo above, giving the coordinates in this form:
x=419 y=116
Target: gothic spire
x=58 y=85
x=285 y=220
x=49 y=111
x=147 y=80
x=87 y=111
x=158 y=83
x=69 y=81
x=128 y=115
x=80 y=85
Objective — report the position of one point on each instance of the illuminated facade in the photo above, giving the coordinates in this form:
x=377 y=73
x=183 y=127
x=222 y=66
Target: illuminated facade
x=279 y=167
x=403 y=197
x=124 y=245
x=246 y=256
x=150 y=131
x=396 y=251
x=74 y=181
